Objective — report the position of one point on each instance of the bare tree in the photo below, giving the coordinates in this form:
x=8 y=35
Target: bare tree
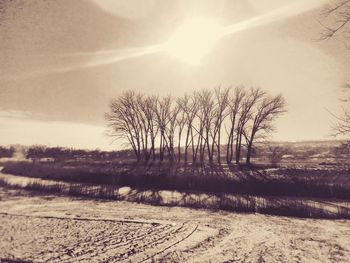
x=342 y=126
x=201 y=139
x=189 y=105
x=198 y=126
x=147 y=113
x=141 y=115
x=170 y=131
x=123 y=122
x=251 y=98
x=162 y=112
x=207 y=112
x=180 y=122
x=235 y=104
x=336 y=19
x=221 y=112
x=266 y=112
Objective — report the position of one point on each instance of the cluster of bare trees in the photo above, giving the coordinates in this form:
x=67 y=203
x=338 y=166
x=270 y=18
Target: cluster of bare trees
x=196 y=127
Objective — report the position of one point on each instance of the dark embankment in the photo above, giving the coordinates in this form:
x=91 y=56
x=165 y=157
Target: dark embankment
x=315 y=183
x=282 y=206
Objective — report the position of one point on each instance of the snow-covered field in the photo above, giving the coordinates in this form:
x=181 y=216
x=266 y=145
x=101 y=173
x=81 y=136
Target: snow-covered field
x=63 y=229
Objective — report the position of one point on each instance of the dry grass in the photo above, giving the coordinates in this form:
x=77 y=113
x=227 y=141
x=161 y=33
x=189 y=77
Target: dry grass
x=296 y=182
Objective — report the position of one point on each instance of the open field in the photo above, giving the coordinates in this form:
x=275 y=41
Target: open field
x=90 y=210
x=64 y=229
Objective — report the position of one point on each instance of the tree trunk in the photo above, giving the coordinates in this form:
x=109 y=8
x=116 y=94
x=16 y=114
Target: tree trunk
x=193 y=151
x=186 y=143
x=238 y=147
x=179 y=147
x=250 y=147
x=153 y=150
x=161 y=154
x=208 y=147
x=228 y=159
x=218 y=146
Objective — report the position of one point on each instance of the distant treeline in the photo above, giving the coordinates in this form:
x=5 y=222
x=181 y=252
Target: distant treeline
x=60 y=153
x=193 y=127
x=266 y=152
x=7 y=152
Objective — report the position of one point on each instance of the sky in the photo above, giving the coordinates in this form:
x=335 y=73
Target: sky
x=62 y=61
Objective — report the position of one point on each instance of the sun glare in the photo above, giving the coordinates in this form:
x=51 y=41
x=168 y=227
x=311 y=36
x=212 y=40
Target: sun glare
x=193 y=39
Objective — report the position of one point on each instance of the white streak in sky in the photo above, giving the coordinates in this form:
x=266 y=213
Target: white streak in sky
x=295 y=8
x=99 y=58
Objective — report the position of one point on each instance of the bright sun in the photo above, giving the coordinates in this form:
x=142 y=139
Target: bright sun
x=193 y=39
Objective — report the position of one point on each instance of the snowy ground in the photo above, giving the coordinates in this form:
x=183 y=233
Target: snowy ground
x=62 y=229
